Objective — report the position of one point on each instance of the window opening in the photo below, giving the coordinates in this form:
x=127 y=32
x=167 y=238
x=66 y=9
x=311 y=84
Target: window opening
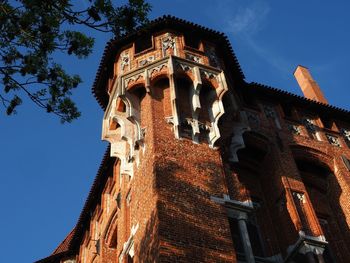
x=288 y=111
x=143 y=44
x=235 y=235
x=192 y=41
x=327 y=122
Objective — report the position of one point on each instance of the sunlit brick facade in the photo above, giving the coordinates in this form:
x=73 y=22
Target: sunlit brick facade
x=205 y=167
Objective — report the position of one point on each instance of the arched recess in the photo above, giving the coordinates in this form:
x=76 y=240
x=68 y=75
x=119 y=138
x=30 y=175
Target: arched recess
x=111 y=231
x=161 y=93
x=135 y=97
x=247 y=179
x=135 y=100
x=324 y=191
x=184 y=87
x=256 y=148
x=205 y=115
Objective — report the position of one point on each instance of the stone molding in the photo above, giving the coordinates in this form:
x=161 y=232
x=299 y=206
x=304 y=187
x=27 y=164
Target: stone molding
x=127 y=140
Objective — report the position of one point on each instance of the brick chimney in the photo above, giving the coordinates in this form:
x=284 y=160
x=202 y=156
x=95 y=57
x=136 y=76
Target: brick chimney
x=308 y=86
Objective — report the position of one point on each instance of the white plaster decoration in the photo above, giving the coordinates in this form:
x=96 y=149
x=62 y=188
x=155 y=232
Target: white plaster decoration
x=310 y=248
x=126 y=138
x=300 y=197
x=193 y=57
x=346 y=134
x=168 y=42
x=195 y=127
x=208 y=74
x=217 y=109
x=239 y=205
x=133 y=78
x=203 y=126
x=295 y=129
x=306 y=244
x=333 y=140
x=143 y=133
x=125 y=62
x=237 y=141
x=128 y=198
x=184 y=66
x=145 y=61
x=128 y=246
x=169 y=119
x=312 y=244
x=157 y=68
x=310 y=126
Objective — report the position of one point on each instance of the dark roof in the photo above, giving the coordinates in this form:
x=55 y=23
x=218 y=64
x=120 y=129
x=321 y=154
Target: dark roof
x=56 y=258
x=64 y=245
x=287 y=97
x=159 y=24
x=70 y=245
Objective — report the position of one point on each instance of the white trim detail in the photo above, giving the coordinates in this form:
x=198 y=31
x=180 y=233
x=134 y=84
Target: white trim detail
x=128 y=247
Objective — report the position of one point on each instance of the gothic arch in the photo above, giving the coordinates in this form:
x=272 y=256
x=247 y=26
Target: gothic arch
x=111 y=231
x=185 y=72
x=312 y=155
x=321 y=179
x=255 y=150
x=161 y=75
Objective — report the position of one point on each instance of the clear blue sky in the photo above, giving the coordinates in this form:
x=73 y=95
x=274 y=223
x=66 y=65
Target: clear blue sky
x=47 y=168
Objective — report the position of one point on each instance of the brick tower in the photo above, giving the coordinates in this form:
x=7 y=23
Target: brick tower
x=205 y=167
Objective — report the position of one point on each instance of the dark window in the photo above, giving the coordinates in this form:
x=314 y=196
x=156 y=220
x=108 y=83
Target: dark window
x=98 y=246
x=192 y=41
x=114 y=239
x=143 y=44
x=250 y=101
x=235 y=235
x=255 y=239
x=185 y=129
x=327 y=254
x=288 y=111
x=327 y=123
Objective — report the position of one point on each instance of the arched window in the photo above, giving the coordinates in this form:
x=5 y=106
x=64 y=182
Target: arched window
x=248 y=169
x=316 y=178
